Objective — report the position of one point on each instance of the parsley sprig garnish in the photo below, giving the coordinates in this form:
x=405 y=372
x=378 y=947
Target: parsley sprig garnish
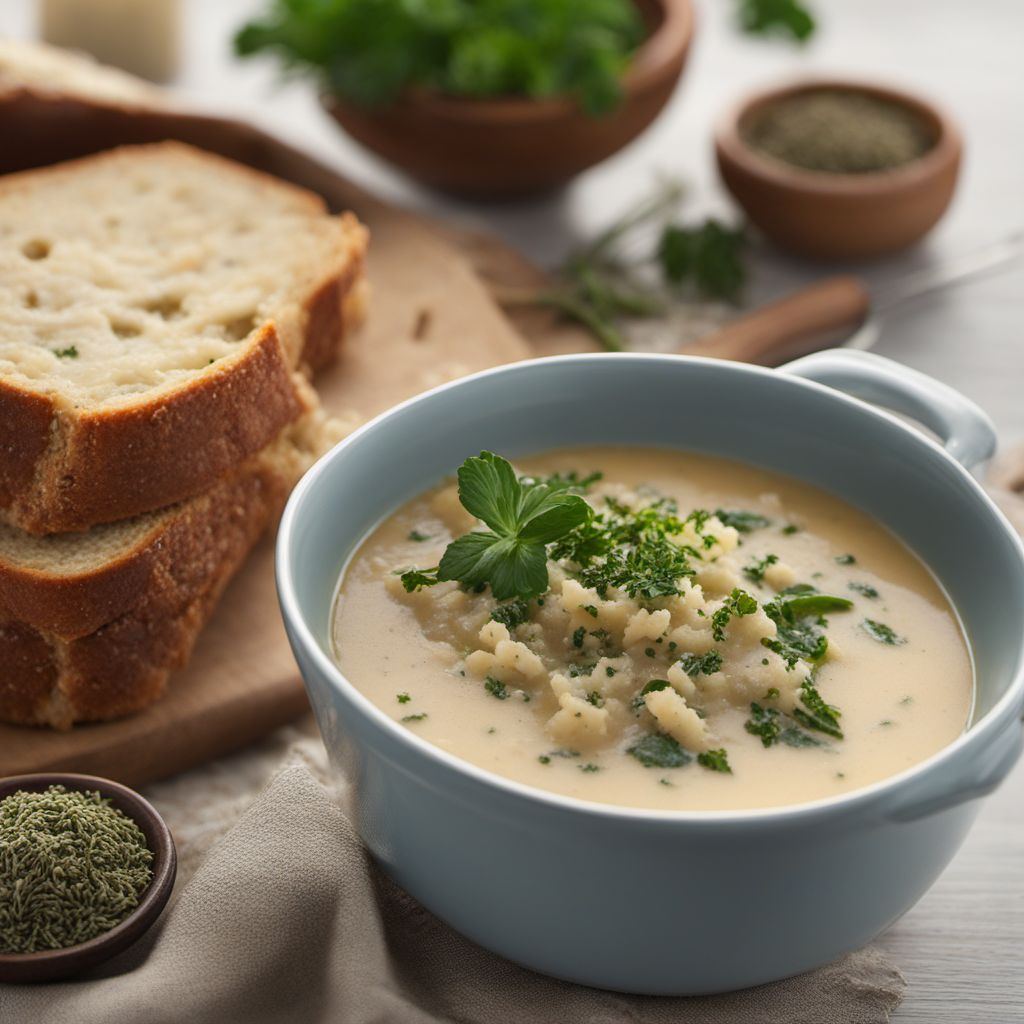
x=511 y=557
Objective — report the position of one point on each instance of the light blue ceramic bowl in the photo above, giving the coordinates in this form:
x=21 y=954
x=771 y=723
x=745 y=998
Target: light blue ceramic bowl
x=649 y=901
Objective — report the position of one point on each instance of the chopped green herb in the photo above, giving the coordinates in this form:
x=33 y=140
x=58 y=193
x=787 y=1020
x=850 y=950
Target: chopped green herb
x=790 y=528
x=744 y=522
x=764 y=722
x=578 y=635
x=570 y=481
x=589 y=609
x=404 y=698
x=800 y=588
x=757 y=568
x=595 y=698
x=864 y=588
x=651 y=687
x=907 y=700
x=71 y=352
x=414 y=579
x=798 y=623
x=882 y=633
x=818 y=715
x=777 y=18
x=709 y=255
x=771 y=726
x=771 y=693
x=697 y=664
x=565 y=752
x=580 y=670
x=665 y=782
x=589 y=767
x=418 y=537
x=544 y=759
x=513 y=614
x=496 y=688
x=414 y=718
x=715 y=761
x=845 y=560
x=609 y=671
x=738 y=603
x=657 y=750
x=650 y=652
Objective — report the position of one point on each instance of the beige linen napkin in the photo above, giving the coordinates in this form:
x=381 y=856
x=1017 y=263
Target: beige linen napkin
x=287 y=920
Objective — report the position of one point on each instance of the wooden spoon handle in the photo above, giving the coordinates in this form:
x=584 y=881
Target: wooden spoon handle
x=810 y=319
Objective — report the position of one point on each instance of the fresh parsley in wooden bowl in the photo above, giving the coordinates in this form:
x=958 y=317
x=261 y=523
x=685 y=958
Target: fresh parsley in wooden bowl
x=498 y=98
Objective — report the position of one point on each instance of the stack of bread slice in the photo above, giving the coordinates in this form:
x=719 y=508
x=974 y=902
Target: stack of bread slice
x=161 y=312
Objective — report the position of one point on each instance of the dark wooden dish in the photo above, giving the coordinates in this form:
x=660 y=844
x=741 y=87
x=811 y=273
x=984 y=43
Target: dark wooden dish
x=840 y=216
x=49 y=965
x=505 y=148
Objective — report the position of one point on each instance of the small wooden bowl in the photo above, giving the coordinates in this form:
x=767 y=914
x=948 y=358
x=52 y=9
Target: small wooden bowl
x=51 y=964
x=505 y=148
x=840 y=216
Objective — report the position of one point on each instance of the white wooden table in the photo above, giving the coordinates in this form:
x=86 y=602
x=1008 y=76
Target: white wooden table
x=962 y=947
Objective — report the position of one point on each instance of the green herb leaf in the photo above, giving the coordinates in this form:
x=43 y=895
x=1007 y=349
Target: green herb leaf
x=715 y=760
x=418 y=537
x=756 y=569
x=657 y=750
x=764 y=723
x=738 y=603
x=496 y=688
x=796 y=635
x=697 y=664
x=864 y=588
x=511 y=615
x=651 y=687
x=777 y=17
x=511 y=558
x=403 y=698
x=71 y=352
x=744 y=522
x=882 y=633
x=772 y=726
x=710 y=255
x=414 y=579
x=818 y=715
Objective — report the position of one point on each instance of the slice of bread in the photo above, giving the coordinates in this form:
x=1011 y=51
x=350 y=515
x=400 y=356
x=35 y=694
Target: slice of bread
x=92 y=624
x=136 y=364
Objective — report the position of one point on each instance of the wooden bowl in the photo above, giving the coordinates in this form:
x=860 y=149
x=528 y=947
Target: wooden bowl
x=840 y=216
x=504 y=148
x=50 y=964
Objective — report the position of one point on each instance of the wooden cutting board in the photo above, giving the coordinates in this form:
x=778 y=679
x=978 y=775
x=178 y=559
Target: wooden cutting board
x=431 y=319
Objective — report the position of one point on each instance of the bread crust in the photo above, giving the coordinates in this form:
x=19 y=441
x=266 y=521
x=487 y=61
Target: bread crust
x=66 y=470
x=122 y=666
x=124 y=462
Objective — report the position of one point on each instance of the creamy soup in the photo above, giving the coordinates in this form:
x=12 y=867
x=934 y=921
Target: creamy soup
x=654 y=629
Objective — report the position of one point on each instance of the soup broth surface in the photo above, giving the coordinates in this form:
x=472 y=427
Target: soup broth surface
x=657 y=702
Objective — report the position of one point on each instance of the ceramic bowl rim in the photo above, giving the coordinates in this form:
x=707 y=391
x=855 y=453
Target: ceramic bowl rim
x=154 y=897
x=988 y=726
x=733 y=148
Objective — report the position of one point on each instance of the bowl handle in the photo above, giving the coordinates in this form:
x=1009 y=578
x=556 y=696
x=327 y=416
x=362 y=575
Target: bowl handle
x=991 y=766
x=966 y=432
